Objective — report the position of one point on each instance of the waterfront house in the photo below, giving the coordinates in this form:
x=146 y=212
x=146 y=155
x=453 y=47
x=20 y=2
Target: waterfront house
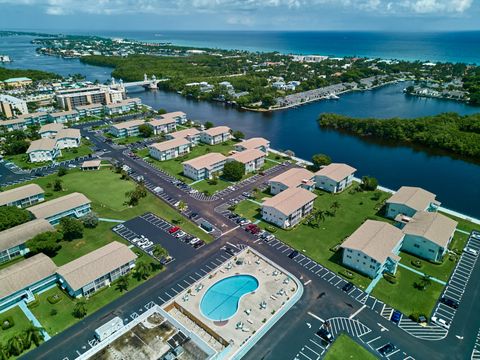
x=22 y=196
x=91 y=165
x=90 y=110
x=97 y=269
x=50 y=130
x=428 y=234
x=215 y=135
x=335 y=177
x=289 y=207
x=75 y=205
x=292 y=178
x=68 y=138
x=43 y=150
x=252 y=159
x=191 y=134
x=64 y=116
x=24 y=279
x=162 y=126
x=204 y=167
x=123 y=106
x=258 y=143
x=13 y=124
x=12 y=241
x=126 y=128
x=179 y=117
x=408 y=200
x=169 y=149
x=373 y=248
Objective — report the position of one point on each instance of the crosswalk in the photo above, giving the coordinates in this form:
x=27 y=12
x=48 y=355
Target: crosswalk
x=476 y=348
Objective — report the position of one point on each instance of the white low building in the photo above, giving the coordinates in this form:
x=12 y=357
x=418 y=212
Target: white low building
x=253 y=159
x=204 y=167
x=68 y=138
x=292 y=178
x=408 y=200
x=169 y=149
x=335 y=177
x=50 y=130
x=43 y=150
x=179 y=117
x=288 y=208
x=191 y=134
x=215 y=135
x=162 y=126
x=258 y=143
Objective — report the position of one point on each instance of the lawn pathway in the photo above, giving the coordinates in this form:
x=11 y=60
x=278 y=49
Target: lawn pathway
x=23 y=306
x=422 y=274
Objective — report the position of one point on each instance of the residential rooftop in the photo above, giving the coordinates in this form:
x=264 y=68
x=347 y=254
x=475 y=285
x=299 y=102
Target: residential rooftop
x=19 y=234
x=160 y=122
x=290 y=200
x=185 y=133
x=52 y=127
x=205 y=161
x=42 y=144
x=68 y=133
x=254 y=143
x=294 y=177
x=128 y=124
x=248 y=155
x=217 y=130
x=336 y=171
x=91 y=163
x=170 y=144
x=433 y=226
x=19 y=193
x=413 y=197
x=59 y=205
x=376 y=239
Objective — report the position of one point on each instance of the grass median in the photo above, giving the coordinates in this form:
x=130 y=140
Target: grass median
x=345 y=348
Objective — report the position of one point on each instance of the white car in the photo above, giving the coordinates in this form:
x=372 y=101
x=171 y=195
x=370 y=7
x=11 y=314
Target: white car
x=194 y=241
x=443 y=323
x=476 y=235
x=471 y=251
x=180 y=234
x=147 y=244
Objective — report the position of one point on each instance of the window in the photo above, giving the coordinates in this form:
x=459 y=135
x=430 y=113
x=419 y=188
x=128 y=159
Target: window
x=416 y=245
x=431 y=250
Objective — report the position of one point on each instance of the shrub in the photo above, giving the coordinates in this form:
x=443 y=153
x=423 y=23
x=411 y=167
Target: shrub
x=271 y=229
x=335 y=248
x=414 y=316
x=53 y=312
x=347 y=274
x=417 y=263
x=390 y=278
x=53 y=299
x=33 y=304
x=7 y=322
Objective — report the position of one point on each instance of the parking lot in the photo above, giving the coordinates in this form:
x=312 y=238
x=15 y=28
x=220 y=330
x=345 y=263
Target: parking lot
x=457 y=283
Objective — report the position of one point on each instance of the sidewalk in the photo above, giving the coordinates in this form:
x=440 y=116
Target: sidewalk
x=33 y=319
x=422 y=274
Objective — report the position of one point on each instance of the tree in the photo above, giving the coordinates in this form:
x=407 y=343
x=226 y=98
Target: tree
x=142 y=270
x=319 y=216
x=159 y=251
x=34 y=335
x=208 y=125
x=145 y=130
x=369 y=183
x=11 y=216
x=15 y=345
x=80 y=309
x=134 y=196
x=289 y=153
x=122 y=283
x=4 y=355
x=182 y=205
x=161 y=111
x=57 y=185
x=90 y=220
x=62 y=171
x=233 y=170
x=238 y=135
x=47 y=243
x=335 y=206
x=320 y=160
x=71 y=228
x=425 y=281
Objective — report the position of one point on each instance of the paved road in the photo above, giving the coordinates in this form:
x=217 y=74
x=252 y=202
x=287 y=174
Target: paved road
x=291 y=337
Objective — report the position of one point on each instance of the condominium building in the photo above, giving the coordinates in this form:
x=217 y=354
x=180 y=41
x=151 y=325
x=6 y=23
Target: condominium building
x=68 y=138
x=89 y=110
x=126 y=128
x=11 y=106
x=292 y=178
x=204 y=167
x=258 y=143
x=22 y=196
x=335 y=177
x=43 y=150
x=13 y=124
x=253 y=159
x=179 y=117
x=36 y=118
x=216 y=135
x=64 y=116
x=169 y=149
x=50 y=130
x=71 y=98
x=191 y=134
x=408 y=200
x=74 y=204
x=121 y=107
x=18 y=82
x=289 y=207
x=162 y=126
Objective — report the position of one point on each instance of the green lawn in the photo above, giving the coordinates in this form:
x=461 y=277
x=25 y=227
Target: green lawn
x=128 y=140
x=345 y=348
x=440 y=271
x=249 y=210
x=22 y=160
x=204 y=187
x=354 y=208
x=21 y=322
x=55 y=323
x=405 y=297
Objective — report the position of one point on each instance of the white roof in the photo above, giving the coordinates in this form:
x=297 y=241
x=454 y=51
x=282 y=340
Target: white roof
x=205 y=161
x=290 y=200
x=336 y=171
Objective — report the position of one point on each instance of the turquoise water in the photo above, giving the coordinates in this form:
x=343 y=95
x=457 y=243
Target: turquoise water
x=220 y=301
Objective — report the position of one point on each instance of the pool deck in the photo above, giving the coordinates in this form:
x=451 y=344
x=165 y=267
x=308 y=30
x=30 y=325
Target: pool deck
x=276 y=291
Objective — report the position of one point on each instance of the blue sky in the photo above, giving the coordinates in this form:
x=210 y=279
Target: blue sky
x=383 y=15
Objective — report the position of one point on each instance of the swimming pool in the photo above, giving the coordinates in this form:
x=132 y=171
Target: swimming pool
x=220 y=301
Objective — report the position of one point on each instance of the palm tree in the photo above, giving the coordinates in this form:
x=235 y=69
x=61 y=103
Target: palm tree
x=159 y=251
x=4 y=355
x=33 y=334
x=334 y=207
x=122 y=283
x=319 y=216
x=425 y=281
x=182 y=206
x=142 y=270
x=15 y=345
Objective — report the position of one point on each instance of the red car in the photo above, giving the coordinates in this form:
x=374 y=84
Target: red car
x=255 y=230
x=249 y=227
x=173 y=229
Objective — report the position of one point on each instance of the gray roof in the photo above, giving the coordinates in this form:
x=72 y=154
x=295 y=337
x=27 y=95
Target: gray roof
x=19 y=193
x=413 y=197
x=290 y=200
x=61 y=204
x=95 y=264
x=432 y=226
x=18 y=235
x=25 y=273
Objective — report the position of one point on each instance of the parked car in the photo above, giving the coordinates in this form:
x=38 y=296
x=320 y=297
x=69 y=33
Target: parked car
x=193 y=215
x=180 y=234
x=198 y=244
x=325 y=335
x=439 y=321
x=166 y=260
x=387 y=349
x=293 y=254
x=422 y=319
x=270 y=238
x=449 y=302
x=230 y=250
x=173 y=229
x=347 y=287
x=396 y=316
x=471 y=251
